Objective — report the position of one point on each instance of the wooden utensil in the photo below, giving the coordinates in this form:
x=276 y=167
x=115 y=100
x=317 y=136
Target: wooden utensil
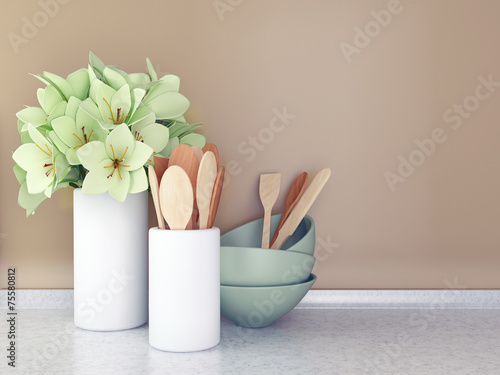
x=184 y=157
x=198 y=152
x=176 y=197
x=213 y=148
x=293 y=196
x=303 y=205
x=161 y=165
x=153 y=182
x=214 y=203
x=269 y=189
x=207 y=173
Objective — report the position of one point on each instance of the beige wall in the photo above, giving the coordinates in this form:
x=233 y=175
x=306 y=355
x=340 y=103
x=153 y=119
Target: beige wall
x=439 y=225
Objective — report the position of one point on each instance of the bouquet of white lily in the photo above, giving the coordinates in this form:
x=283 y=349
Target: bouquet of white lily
x=98 y=129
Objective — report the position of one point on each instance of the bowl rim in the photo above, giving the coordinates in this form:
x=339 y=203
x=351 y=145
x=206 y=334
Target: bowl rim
x=311 y=279
x=270 y=251
x=306 y=218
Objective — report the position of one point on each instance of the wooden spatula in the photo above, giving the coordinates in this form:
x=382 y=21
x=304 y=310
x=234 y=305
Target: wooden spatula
x=214 y=203
x=205 y=182
x=161 y=165
x=153 y=182
x=269 y=189
x=303 y=205
x=184 y=157
x=198 y=152
x=291 y=199
x=176 y=197
x=213 y=148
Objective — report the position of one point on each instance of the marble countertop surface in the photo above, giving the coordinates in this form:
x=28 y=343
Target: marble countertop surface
x=305 y=341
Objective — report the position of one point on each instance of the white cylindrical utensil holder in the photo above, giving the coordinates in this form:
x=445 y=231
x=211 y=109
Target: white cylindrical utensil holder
x=184 y=289
x=110 y=261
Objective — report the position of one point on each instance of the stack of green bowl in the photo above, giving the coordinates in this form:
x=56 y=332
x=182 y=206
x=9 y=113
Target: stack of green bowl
x=259 y=286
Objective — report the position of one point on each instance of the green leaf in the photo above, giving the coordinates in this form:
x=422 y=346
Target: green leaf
x=96 y=63
x=151 y=70
x=29 y=202
x=194 y=140
x=20 y=174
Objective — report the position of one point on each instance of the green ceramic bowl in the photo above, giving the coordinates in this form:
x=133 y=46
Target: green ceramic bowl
x=256 y=307
x=250 y=235
x=248 y=266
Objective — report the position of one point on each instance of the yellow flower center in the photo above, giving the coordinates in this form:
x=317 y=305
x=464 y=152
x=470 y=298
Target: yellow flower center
x=120 y=117
x=117 y=163
x=85 y=138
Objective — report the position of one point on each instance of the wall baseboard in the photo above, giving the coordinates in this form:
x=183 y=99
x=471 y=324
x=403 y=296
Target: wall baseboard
x=314 y=299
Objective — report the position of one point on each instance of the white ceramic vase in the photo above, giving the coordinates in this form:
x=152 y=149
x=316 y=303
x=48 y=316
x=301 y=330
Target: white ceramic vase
x=184 y=289
x=110 y=261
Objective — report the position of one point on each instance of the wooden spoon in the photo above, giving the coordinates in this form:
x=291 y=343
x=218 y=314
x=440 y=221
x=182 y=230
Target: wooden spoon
x=269 y=189
x=293 y=196
x=184 y=157
x=153 y=182
x=198 y=152
x=205 y=182
x=213 y=148
x=303 y=205
x=161 y=165
x=214 y=203
x=176 y=197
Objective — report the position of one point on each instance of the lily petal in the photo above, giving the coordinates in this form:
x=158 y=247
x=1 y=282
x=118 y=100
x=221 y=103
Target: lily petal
x=121 y=100
x=92 y=154
x=142 y=117
x=155 y=136
x=120 y=188
x=72 y=106
x=138 y=181
x=138 y=157
x=99 y=180
x=65 y=129
x=34 y=115
x=28 y=155
x=120 y=143
x=60 y=83
x=80 y=83
x=169 y=105
x=113 y=78
x=39 y=177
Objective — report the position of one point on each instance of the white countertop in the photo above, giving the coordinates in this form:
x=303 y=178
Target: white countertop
x=305 y=341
